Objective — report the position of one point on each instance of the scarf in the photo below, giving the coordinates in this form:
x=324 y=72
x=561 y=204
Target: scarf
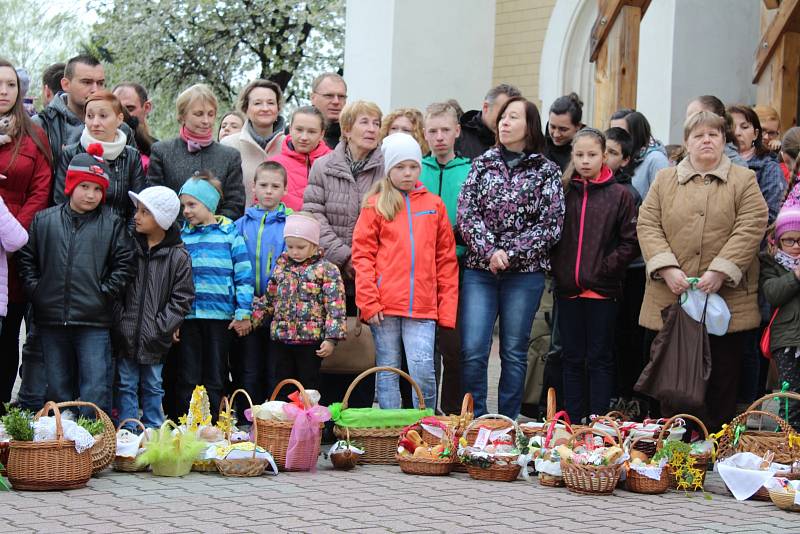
x=110 y=149
x=652 y=145
x=511 y=158
x=790 y=263
x=193 y=142
x=8 y=128
x=263 y=141
x=355 y=166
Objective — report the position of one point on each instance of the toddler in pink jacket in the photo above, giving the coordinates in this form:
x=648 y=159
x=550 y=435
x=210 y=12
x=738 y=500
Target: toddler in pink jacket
x=12 y=237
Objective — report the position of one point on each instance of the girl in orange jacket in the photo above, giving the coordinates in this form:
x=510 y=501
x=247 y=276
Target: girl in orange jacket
x=406 y=270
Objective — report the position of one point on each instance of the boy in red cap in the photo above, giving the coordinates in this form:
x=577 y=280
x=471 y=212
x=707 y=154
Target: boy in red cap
x=77 y=262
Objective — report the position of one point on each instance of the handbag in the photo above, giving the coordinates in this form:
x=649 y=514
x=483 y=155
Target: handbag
x=766 y=335
x=680 y=361
x=353 y=355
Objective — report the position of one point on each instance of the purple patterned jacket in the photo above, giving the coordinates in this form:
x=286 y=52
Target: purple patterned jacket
x=521 y=212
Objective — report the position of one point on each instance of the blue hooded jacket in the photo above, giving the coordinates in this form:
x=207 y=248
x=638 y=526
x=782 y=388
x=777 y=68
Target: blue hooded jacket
x=263 y=236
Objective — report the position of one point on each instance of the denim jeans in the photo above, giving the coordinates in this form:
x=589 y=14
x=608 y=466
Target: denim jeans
x=514 y=297
x=89 y=348
x=32 y=392
x=417 y=336
x=133 y=379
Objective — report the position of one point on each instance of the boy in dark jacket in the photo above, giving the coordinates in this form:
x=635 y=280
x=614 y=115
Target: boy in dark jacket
x=77 y=262
x=154 y=304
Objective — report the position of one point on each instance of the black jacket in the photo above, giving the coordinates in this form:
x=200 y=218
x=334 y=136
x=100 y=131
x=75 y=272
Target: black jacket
x=156 y=301
x=127 y=174
x=560 y=155
x=475 y=138
x=333 y=132
x=75 y=265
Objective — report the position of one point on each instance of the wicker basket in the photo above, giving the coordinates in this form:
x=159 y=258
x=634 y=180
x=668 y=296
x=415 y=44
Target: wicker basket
x=4 y=450
x=380 y=444
x=550 y=415
x=591 y=479
x=498 y=473
x=48 y=465
x=700 y=461
x=784 y=500
x=104 y=449
x=171 y=469
x=124 y=463
x=345 y=460
x=459 y=422
x=549 y=428
x=759 y=442
x=638 y=483
x=242 y=467
x=429 y=466
x=274 y=435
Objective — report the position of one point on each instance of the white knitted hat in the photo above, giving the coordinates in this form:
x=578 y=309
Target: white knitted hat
x=161 y=201
x=397 y=148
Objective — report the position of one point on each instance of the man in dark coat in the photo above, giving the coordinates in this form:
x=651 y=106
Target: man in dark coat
x=478 y=125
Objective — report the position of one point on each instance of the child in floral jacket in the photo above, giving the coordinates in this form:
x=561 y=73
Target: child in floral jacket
x=305 y=297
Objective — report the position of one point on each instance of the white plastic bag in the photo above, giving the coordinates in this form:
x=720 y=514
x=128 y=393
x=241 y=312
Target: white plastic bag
x=717 y=314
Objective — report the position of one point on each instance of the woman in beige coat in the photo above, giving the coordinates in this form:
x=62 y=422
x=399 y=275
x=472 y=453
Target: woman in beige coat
x=705 y=218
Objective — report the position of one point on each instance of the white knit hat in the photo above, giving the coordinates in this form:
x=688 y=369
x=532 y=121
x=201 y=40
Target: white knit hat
x=399 y=147
x=161 y=201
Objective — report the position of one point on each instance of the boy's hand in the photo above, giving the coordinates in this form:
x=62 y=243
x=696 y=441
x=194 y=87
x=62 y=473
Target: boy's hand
x=176 y=336
x=326 y=349
x=376 y=319
x=242 y=327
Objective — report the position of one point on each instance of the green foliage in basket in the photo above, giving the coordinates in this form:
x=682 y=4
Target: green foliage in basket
x=93 y=426
x=672 y=449
x=18 y=423
x=163 y=447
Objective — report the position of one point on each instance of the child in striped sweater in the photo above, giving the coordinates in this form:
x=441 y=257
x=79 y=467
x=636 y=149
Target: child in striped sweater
x=223 y=280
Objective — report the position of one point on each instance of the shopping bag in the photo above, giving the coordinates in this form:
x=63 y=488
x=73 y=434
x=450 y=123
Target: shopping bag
x=680 y=361
x=353 y=355
x=695 y=303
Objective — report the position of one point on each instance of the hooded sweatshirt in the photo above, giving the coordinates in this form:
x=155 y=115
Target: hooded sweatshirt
x=446 y=181
x=770 y=181
x=653 y=158
x=263 y=236
x=297 y=166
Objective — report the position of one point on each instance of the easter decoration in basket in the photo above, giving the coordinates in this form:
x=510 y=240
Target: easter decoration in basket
x=493 y=453
x=644 y=473
x=419 y=457
x=592 y=461
x=687 y=462
x=170 y=451
x=547 y=460
x=345 y=453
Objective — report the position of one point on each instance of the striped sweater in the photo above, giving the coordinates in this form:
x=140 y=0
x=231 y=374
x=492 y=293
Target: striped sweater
x=223 y=276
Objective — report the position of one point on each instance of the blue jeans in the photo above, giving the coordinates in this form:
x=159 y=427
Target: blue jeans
x=32 y=392
x=133 y=378
x=515 y=298
x=417 y=336
x=79 y=354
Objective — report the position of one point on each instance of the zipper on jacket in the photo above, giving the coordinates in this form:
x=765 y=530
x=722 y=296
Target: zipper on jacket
x=411 y=236
x=441 y=177
x=580 y=236
x=142 y=294
x=68 y=277
x=258 y=252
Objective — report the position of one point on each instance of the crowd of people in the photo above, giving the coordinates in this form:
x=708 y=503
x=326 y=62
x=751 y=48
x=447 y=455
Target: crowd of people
x=232 y=254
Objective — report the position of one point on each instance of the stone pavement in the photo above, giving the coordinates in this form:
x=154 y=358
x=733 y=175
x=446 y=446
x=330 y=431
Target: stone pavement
x=371 y=499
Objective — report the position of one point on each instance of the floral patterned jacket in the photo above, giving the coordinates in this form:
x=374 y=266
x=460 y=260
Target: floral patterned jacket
x=306 y=300
x=520 y=211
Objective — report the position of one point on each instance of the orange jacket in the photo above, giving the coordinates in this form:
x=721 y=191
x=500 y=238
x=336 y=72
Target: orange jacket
x=407 y=267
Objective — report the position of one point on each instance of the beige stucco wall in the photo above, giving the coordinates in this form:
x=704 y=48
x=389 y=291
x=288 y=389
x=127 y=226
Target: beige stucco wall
x=520 y=26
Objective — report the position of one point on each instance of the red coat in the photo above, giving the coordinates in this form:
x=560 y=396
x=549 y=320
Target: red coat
x=407 y=267
x=297 y=166
x=25 y=190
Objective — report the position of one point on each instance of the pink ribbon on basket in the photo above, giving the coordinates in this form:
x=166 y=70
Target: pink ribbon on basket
x=301 y=455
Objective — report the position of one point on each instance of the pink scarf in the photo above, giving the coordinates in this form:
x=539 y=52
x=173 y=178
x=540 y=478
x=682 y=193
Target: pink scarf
x=193 y=142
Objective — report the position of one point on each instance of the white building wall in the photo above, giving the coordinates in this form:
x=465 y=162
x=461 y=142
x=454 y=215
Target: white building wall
x=655 y=83
x=402 y=53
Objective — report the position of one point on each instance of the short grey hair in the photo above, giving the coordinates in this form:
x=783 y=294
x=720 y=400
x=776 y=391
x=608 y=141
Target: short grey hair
x=503 y=89
x=324 y=76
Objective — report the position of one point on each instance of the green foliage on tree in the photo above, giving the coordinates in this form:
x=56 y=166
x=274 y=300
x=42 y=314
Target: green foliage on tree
x=169 y=45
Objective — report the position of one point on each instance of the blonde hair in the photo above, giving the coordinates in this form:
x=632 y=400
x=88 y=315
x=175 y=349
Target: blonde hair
x=438 y=109
x=198 y=91
x=766 y=113
x=703 y=118
x=352 y=111
x=415 y=116
x=388 y=201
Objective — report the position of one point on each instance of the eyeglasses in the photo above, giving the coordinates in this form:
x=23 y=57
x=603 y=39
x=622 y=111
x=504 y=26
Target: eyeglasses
x=771 y=133
x=332 y=96
x=789 y=242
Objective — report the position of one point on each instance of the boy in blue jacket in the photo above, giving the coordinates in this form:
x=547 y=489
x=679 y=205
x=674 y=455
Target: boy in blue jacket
x=262 y=229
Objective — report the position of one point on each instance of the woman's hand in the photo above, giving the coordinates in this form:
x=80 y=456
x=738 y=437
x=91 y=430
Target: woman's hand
x=376 y=319
x=675 y=279
x=498 y=261
x=774 y=145
x=711 y=281
x=326 y=349
x=176 y=336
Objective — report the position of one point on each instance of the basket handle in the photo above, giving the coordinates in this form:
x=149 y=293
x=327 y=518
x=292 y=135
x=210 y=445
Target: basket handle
x=138 y=423
x=588 y=430
x=551 y=427
x=254 y=426
x=551 y=404
x=78 y=404
x=615 y=415
x=298 y=385
x=493 y=416
x=674 y=419
x=756 y=406
x=374 y=370
x=50 y=405
x=610 y=422
x=170 y=423
x=467 y=405
x=785 y=428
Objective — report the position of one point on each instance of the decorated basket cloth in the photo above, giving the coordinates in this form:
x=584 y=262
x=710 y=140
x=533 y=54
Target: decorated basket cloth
x=692 y=476
x=380 y=443
x=171 y=468
x=441 y=465
x=199 y=415
x=127 y=464
x=346 y=459
x=458 y=423
x=240 y=467
x=737 y=437
x=105 y=444
x=275 y=436
x=505 y=470
x=552 y=434
x=48 y=465
x=647 y=430
x=641 y=483
x=591 y=479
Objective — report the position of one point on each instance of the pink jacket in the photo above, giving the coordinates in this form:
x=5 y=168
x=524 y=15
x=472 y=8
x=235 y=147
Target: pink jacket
x=12 y=237
x=297 y=167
